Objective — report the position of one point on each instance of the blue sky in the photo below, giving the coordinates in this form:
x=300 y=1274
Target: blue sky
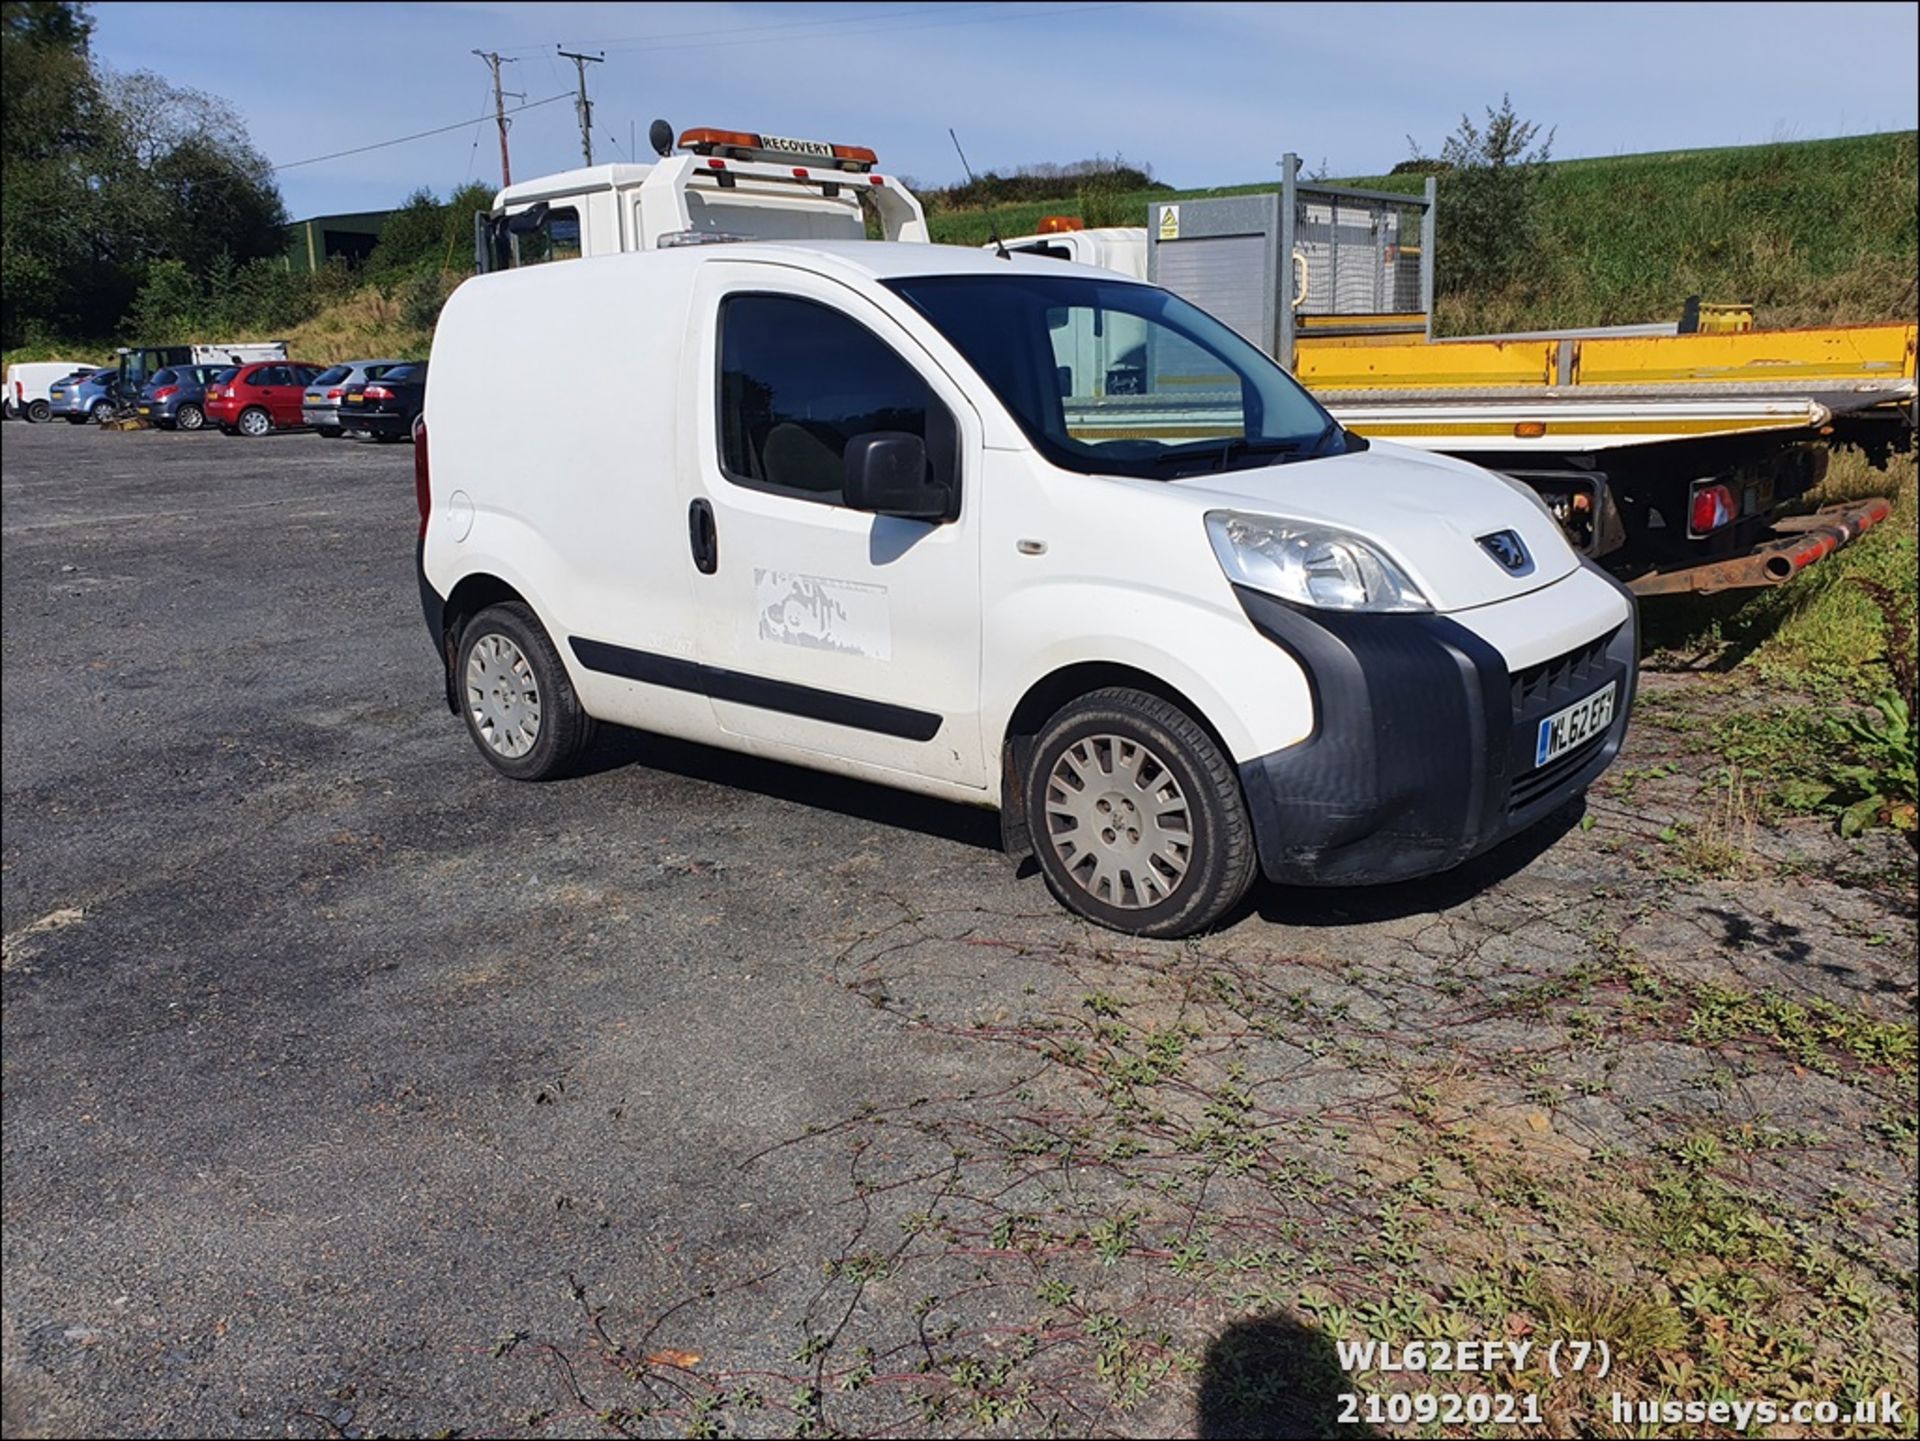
x=1207 y=93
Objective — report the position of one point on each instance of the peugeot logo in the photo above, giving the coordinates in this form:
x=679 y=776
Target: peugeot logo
x=1506 y=547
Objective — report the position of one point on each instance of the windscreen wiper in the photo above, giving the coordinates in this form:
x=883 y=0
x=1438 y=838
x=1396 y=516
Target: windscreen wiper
x=1232 y=446
x=1327 y=433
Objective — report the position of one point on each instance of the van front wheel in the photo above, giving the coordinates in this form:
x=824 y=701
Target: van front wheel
x=1136 y=816
x=514 y=692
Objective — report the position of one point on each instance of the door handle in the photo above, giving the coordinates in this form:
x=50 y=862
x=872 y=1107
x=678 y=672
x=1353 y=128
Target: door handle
x=702 y=536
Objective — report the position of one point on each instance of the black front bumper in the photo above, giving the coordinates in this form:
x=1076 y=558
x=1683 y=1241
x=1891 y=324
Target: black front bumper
x=1422 y=753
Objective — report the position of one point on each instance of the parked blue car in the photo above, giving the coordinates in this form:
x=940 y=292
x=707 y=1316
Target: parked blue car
x=175 y=398
x=92 y=397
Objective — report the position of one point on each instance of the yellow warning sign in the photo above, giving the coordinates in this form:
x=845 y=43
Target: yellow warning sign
x=1169 y=222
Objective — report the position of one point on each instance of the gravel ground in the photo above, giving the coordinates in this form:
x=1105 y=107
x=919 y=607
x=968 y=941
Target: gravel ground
x=351 y=1089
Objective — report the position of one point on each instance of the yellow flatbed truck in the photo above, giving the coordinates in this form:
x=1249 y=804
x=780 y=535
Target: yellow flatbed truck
x=1671 y=457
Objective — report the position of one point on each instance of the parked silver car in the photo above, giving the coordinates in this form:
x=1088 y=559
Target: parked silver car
x=320 y=405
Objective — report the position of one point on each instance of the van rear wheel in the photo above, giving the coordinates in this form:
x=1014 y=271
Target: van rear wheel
x=519 y=704
x=1136 y=816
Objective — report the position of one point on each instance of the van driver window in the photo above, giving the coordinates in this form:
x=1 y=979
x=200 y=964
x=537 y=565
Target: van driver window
x=798 y=381
x=555 y=237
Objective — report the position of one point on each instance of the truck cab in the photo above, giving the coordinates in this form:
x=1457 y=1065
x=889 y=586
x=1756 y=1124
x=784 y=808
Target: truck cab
x=726 y=185
x=1119 y=248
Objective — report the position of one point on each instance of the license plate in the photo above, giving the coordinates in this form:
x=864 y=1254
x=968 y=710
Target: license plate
x=1578 y=723
x=146 y=410
x=56 y=395
x=353 y=399
x=314 y=397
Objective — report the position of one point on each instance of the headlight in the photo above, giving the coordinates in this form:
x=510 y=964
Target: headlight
x=1309 y=564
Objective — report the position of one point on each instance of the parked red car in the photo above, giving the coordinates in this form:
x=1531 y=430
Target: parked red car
x=260 y=397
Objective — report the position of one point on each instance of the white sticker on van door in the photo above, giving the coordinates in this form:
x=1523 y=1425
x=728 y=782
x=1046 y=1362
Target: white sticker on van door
x=820 y=613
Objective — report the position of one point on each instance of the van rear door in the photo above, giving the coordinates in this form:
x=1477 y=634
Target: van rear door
x=821 y=628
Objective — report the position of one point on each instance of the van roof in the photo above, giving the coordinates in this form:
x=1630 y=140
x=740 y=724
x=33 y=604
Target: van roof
x=847 y=259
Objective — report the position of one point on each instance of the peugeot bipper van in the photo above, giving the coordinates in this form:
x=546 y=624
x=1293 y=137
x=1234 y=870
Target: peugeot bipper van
x=1012 y=532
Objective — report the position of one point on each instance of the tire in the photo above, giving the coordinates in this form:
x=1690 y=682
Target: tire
x=327 y=432
x=189 y=417
x=504 y=661
x=1134 y=751
x=100 y=412
x=253 y=422
x=76 y=420
x=38 y=411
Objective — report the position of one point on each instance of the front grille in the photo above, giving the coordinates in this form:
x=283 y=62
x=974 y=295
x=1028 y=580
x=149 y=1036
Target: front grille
x=1537 y=783
x=1564 y=676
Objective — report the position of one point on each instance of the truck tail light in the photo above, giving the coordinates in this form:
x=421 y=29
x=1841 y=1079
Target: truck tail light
x=422 y=487
x=377 y=392
x=1713 y=506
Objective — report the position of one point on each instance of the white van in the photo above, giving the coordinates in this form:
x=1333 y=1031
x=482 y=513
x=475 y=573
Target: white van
x=854 y=506
x=27 y=382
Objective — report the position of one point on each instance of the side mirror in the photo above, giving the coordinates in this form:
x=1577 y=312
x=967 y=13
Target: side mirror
x=528 y=220
x=886 y=473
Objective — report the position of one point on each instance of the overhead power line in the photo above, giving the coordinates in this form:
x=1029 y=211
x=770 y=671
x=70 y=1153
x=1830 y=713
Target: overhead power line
x=422 y=134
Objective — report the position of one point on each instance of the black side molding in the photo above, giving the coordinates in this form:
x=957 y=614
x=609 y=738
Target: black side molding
x=786 y=697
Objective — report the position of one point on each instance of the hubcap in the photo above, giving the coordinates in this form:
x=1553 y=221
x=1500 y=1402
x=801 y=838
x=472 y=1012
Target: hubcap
x=502 y=696
x=189 y=417
x=1119 y=822
x=255 y=422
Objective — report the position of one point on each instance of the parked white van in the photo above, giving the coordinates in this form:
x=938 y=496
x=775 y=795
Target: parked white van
x=870 y=508
x=27 y=383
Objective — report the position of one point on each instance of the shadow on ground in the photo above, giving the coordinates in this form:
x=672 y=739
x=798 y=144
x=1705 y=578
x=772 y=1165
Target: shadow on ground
x=1358 y=905
x=946 y=820
x=1272 y=1376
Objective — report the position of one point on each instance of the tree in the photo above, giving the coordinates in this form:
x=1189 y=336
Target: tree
x=1489 y=175
x=424 y=235
x=105 y=175
x=51 y=103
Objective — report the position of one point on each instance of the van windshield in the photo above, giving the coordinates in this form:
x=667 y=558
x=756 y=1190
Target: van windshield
x=1116 y=378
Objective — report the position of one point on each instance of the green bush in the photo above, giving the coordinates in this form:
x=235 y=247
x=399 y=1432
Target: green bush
x=1487 y=223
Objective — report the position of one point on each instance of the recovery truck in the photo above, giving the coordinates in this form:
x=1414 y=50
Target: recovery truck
x=728 y=185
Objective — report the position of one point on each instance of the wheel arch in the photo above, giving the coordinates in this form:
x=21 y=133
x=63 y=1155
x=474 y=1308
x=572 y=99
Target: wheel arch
x=471 y=595
x=1042 y=701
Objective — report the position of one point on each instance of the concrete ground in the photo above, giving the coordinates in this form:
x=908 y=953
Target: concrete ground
x=351 y=1089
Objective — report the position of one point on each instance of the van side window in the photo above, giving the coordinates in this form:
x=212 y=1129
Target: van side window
x=798 y=380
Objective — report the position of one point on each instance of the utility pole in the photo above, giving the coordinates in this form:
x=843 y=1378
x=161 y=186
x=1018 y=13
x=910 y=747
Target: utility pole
x=494 y=62
x=583 y=107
